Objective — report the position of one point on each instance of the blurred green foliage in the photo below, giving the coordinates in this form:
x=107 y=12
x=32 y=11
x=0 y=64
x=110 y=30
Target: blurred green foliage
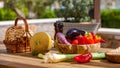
x=110 y=18
x=36 y=8
x=75 y=10
x=78 y=10
x=48 y=13
x=7 y=14
x=24 y=9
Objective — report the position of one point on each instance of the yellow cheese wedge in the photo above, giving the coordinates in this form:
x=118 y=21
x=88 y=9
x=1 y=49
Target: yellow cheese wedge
x=40 y=42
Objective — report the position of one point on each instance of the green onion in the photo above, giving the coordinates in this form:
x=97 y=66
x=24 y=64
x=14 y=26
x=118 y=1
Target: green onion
x=53 y=57
x=98 y=55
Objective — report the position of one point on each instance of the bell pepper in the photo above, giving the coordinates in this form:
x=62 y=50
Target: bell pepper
x=86 y=40
x=90 y=41
x=98 y=39
x=80 y=39
x=90 y=38
x=83 y=58
x=92 y=34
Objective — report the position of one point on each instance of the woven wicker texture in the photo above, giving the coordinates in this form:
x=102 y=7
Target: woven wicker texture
x=114 y=55
x=17 y=38
x=77 y=49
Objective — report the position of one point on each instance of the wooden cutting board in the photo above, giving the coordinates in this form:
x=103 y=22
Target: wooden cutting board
x=23 y=60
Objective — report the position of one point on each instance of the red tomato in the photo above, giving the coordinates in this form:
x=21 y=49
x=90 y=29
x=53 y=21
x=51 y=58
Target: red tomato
x=75 y=41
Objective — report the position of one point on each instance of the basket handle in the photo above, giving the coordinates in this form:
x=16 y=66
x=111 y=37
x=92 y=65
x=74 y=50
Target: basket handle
x=25 y=23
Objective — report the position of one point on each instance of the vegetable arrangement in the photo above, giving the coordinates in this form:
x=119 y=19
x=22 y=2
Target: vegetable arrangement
x=41 y=43
x=88 y=38
x=77 y=41
x=76 y=36
x=80 y=58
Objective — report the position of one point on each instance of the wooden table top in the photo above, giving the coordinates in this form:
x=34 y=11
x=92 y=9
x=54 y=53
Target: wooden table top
x=28 y=61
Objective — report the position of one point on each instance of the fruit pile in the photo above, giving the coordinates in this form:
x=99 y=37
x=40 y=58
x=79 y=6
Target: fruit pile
x=78 y=37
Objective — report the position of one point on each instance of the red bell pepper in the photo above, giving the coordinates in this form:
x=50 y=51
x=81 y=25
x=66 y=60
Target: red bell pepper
x=97 y=39
x=90 y=41
x=86 y=40
x=83 y=58
x=90 y=38
x=80 y=39
x=92 y=34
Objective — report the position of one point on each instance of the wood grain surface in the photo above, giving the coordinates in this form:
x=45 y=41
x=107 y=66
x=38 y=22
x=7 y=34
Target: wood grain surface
x=25 y=60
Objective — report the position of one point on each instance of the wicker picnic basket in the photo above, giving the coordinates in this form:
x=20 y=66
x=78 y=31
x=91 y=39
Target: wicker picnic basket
x=17 y=38
x=113 y=56
x=73 y=49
